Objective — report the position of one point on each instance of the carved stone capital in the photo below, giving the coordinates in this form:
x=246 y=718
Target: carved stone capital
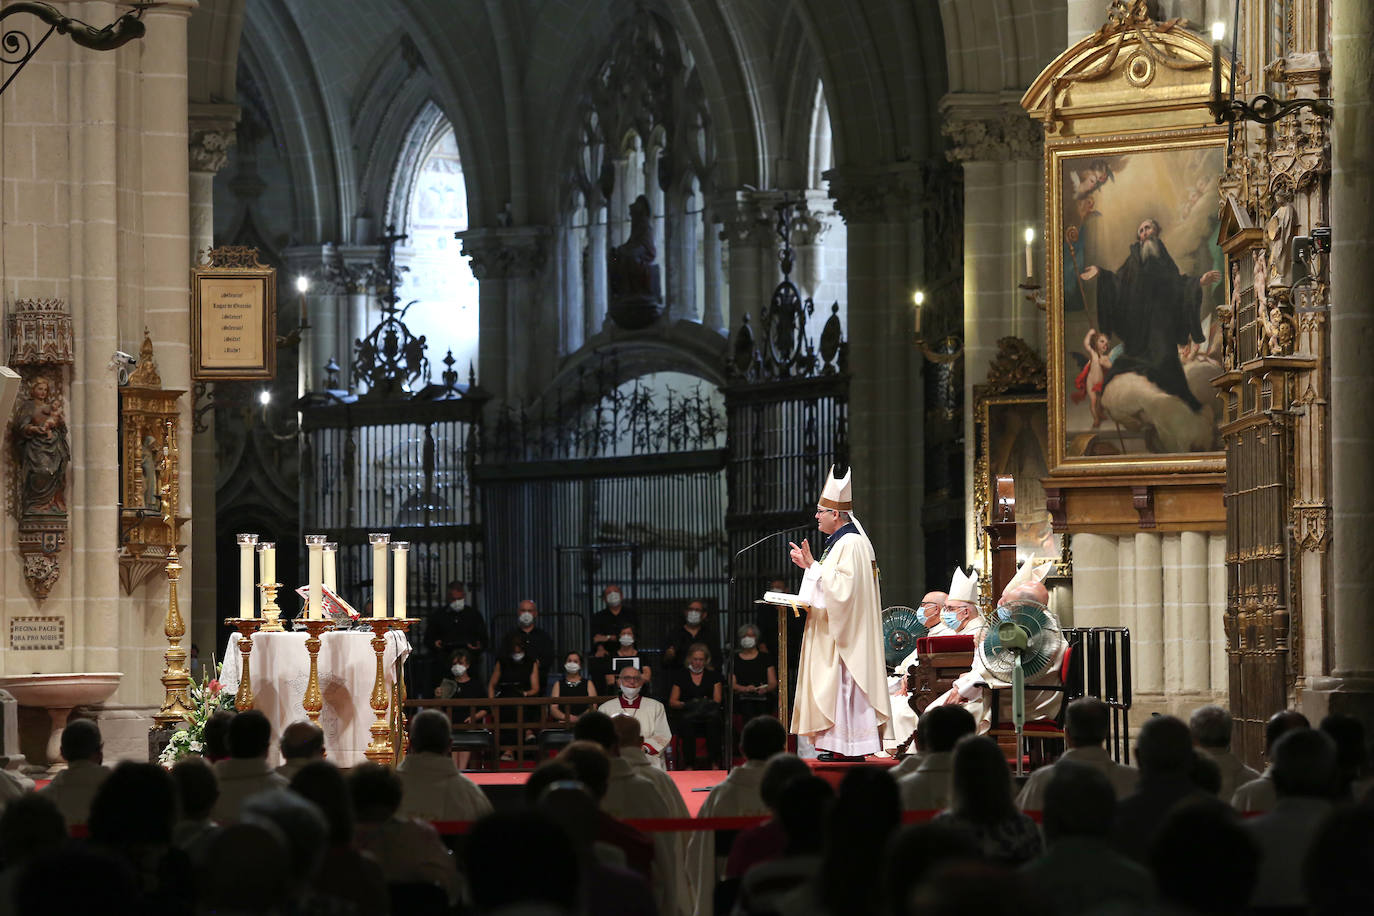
x=747 y=218
x=871 y=194
x=809 y=223
x=212 y=130
x=506 y=253
x=989 y=130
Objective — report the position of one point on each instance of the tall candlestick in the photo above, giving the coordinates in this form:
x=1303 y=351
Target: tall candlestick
x=267 y=562
x=399 y=549
x=314 y=544
x=1218 y=33
x=379 y=542
x=247 y=605
x=331 y=569
x=918 y=299
x=1030 y=240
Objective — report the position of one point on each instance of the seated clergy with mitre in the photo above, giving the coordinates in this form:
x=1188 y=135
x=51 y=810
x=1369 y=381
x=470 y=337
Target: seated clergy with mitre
x=973 y=690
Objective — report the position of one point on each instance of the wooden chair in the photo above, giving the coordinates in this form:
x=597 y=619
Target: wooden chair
x=940 y=659
x=1044 y=738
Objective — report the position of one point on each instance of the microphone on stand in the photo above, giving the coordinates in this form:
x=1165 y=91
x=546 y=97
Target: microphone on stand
x=744 y=550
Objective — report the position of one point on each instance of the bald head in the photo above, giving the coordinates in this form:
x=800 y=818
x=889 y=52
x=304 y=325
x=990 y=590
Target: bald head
x=930 y=607
x=1027 y=591
x=627 y=731
x=302 y=741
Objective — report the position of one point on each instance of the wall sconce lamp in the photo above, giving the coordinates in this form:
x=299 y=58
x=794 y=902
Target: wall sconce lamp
x=1030 y=284
x=1262 y=109
x=947 y=350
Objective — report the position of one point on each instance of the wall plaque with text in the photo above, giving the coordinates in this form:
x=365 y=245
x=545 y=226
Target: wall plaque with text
x=233 y=317
x=38 y=633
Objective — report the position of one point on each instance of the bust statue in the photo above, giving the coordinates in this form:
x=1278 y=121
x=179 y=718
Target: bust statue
x=636 y=292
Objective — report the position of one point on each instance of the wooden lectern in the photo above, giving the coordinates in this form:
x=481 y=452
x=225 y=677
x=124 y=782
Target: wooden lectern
x=784 y=603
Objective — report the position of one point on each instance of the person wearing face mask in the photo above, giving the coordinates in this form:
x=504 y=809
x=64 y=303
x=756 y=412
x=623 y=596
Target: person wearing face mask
x=456 y=625
x=613 y=616
x=903 y=722
x=514 y=674
x=573 y=683
x=753 y=676
x=537 y=640
x=694 y=702
x=626 y=646
x=696 y=628
x=653 y=718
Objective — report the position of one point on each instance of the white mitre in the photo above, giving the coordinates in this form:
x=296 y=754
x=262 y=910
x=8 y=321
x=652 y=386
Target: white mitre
x=963 y=588
x=836 y=493
x=1031 y=570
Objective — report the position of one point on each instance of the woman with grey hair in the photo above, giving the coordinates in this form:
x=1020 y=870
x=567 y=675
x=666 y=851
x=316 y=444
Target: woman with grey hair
x=753 y=676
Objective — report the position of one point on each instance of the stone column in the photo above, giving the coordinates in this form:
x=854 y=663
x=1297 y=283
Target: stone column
x=515 y=332
x=1350 y=689
x=1000 y=149
x=1096 y=580
x=747 y=230
x=1216 y=611
x=1196 y=612
x=1147 y=640
x=1172 y=610
x=714 y=309
x=211 y=135
x=880 y=207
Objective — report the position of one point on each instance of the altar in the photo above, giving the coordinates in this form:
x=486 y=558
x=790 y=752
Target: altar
x=347 y=670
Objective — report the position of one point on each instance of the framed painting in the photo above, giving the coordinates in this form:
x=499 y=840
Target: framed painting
x=233 y=318
x=1136 y=278
x=1013 y=435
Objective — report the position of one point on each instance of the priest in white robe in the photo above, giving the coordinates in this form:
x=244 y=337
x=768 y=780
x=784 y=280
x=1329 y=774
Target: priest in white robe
x=653 y=718
x=842 y=704
x=903 y=722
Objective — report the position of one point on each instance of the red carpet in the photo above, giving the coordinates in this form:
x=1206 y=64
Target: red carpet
x=688 y=783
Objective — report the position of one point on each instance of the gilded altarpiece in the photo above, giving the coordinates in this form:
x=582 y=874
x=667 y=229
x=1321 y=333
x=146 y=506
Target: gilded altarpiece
x=1276 y=385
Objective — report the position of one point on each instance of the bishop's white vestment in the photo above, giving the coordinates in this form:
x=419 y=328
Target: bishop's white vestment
x=842 y=701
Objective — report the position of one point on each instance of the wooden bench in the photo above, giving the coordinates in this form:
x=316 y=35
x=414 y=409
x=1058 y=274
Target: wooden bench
x=507 y=713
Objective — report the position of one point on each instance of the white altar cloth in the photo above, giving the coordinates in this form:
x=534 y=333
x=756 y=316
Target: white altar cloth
x=347 y=668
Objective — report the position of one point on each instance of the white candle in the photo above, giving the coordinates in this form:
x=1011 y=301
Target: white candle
x=399 y=578
x=247 y=606
x=379 y=542
x=331 y=574
x=1030 y=239
x=314 y=544
x=1218 y=33
x=267 y=562
x=918 y=299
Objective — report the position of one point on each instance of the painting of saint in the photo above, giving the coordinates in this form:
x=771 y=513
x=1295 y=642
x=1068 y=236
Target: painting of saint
x=1141 y=280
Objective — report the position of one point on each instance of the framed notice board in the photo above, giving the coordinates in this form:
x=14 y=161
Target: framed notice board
x=233 y=316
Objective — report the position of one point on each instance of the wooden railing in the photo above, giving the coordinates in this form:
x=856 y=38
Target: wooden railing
x=508 y=713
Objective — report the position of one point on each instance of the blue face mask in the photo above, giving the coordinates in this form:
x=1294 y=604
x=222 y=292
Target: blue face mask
x=1004 y=613
x=950 y=619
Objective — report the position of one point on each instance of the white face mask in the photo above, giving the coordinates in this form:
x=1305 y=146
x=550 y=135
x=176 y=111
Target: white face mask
x=459 y=670
x=517 y=656
x=747 y=642
x=693 y=618
x=572 y=667
x=613 y=599
x=525 y=618
x=627 y=640
x=697 y=667
x=458 y=604
x=629 y=693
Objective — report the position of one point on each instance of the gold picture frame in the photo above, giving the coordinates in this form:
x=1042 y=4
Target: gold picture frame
x=1136 y=276
x=233 y=317
x=1012 y=433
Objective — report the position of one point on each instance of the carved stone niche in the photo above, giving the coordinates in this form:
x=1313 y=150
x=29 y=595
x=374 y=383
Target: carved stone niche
x=148 y=450
x=41 y=346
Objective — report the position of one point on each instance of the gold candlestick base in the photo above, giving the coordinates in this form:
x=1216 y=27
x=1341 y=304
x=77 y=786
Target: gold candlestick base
x=247 y=626
x=399 y=737
x=380 y=749
x=271 y=614
x=314 y=700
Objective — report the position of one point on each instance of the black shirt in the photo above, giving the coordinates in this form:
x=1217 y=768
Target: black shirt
x=603 y=621
x=680 y=639
x=688 y=691
x=515 y=675
x=753 y=672
x=456 y=629
x=537 y=643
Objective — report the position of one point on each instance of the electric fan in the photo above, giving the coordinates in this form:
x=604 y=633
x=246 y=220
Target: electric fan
x=902 y=626
x=1020 y=641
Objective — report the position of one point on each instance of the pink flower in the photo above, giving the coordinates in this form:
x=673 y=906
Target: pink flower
x=214 y=686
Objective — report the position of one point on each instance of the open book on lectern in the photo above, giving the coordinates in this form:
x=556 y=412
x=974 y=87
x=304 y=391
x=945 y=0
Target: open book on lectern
x=783 y=599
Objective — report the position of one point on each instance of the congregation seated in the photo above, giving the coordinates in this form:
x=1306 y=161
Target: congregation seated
x=500 y=847
x=929 y=786
x=1211 y=727
x=767 y=841
x=1087 y=725
x=593 y=771
x=653 y=719
x=917 y=851
x=343 y=872
x=1079 y=872
x=695 y=629
x=302 y=742
x=574 y=682
x=1164 y=754
x=304 y=834
x=73 y=789
x=538 y=643
x=409 y=851
x=432 y=788
x=1352 y=755
x=197 y=790
x=215 y=736
x=630 y=748
x=604 y=887
x=245 y=772
x=132 y=818
x=737 y=796
x=1258 y=795
x=803 y=810
x=981 y=803
x=1202 y=859
x=1306 y=779
x=694 y=703
x=31 y=826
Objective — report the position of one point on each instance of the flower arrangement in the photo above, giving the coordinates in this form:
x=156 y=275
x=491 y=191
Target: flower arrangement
x=207 y=698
